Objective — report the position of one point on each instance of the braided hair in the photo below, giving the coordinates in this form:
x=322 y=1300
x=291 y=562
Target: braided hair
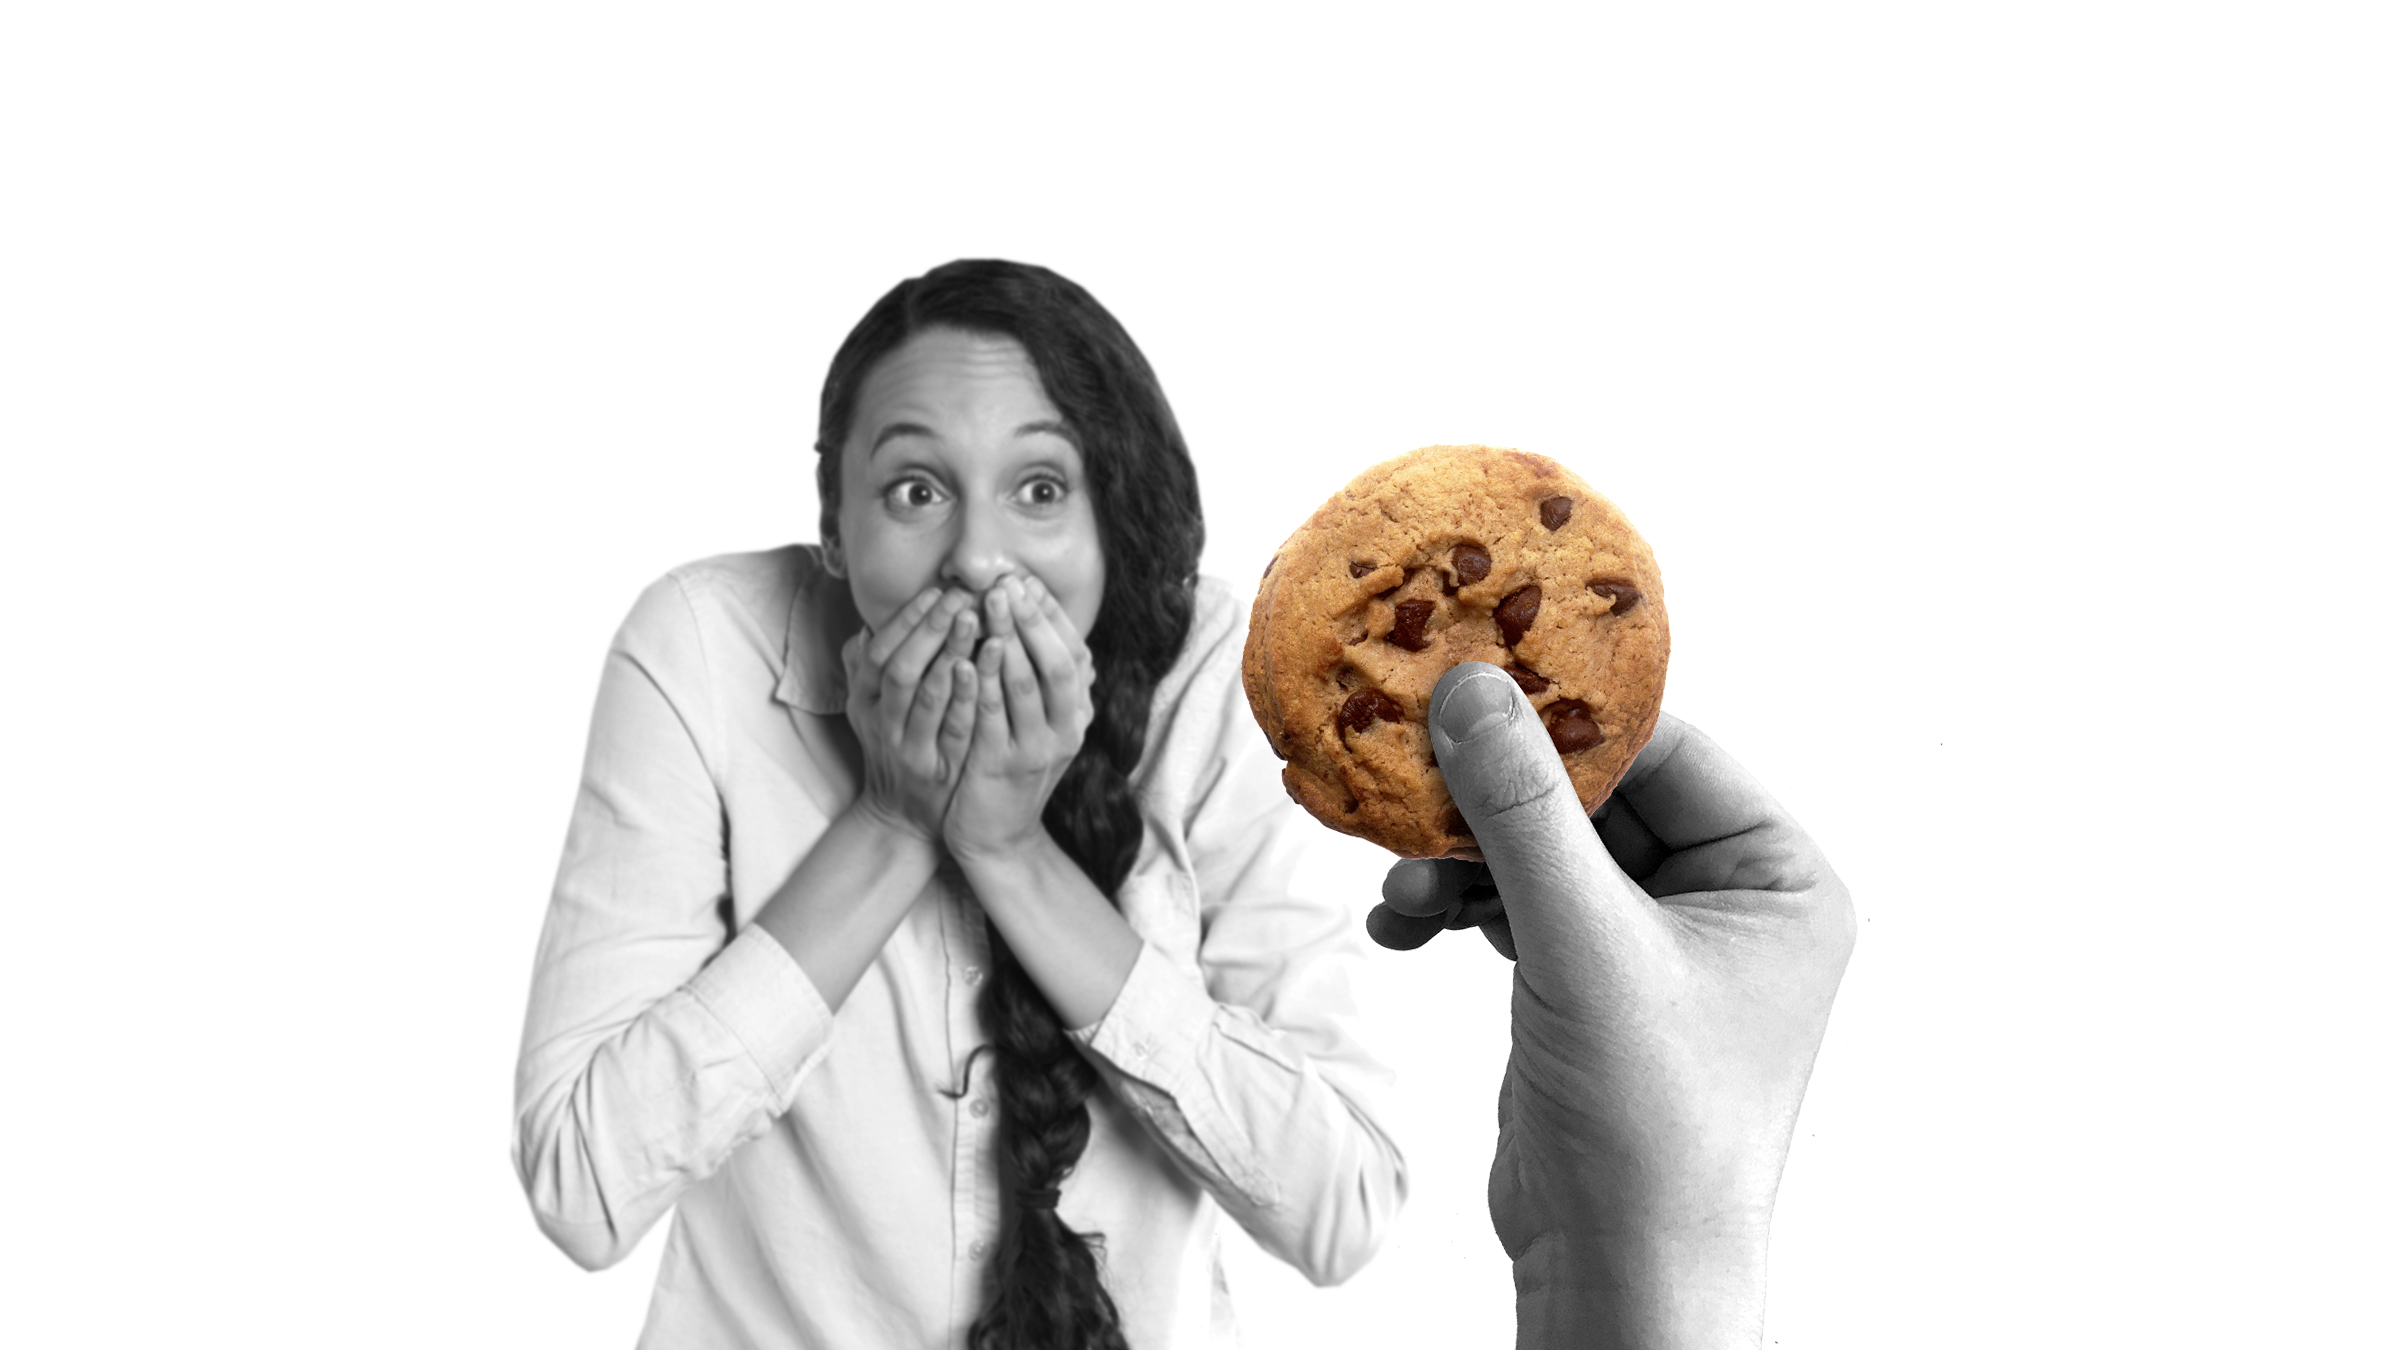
x=1045 y=1287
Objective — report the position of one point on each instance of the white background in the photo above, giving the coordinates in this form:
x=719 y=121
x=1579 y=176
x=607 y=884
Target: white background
x=2008 y=391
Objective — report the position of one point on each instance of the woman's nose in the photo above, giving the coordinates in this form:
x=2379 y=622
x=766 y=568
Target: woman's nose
x=982 y=552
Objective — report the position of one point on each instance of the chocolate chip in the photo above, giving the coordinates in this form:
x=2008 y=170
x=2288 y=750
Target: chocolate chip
x=1620 y=595
x=1363 y=708
x=1526 y=680
x=1515 y=614
x=1270 y=567
x=1408 y=624
x=1359 y=569
x=1470 y=564
x=1571 y=726
x=1555 y=511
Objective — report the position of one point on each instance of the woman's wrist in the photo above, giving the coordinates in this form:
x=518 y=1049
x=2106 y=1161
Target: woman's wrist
x=1016 y=851
x=1070 y=939
x=1009 y=874
x=891 y=824
x=846 y=894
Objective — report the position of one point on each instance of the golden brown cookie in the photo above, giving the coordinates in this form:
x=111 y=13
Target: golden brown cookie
x=1447 y=554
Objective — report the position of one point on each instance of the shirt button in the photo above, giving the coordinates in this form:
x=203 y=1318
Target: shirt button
x=979 y=1249
x=979 y=1108
x=974 y=974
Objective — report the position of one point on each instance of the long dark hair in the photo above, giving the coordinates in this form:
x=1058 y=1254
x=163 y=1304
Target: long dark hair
x=1046 y=1292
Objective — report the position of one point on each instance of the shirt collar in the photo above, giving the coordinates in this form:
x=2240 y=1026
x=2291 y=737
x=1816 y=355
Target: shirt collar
x=821 y=620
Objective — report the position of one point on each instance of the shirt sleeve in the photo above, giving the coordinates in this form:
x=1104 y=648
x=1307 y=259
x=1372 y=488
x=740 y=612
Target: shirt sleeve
x=1252 y=1071
x=653 y=1046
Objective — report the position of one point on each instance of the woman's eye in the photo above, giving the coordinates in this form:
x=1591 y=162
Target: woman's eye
x=911 y=494
x=1042 y=492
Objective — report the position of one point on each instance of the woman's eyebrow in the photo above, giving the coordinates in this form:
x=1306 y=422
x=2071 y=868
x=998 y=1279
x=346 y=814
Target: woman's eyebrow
x=1058 y=429
x=897 y=430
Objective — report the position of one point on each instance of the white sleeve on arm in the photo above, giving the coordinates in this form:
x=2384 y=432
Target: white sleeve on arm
x=1253 y=1073
x=653 y=1048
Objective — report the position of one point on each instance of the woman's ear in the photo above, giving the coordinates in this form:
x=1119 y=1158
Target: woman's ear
x=834 y=563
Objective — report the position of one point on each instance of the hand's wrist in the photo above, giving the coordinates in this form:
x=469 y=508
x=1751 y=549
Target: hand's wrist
x=1664 y=1287
x=891 y=826
x=1015 y=850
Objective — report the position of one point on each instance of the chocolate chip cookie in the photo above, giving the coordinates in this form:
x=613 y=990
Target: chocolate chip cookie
x=1447 y=554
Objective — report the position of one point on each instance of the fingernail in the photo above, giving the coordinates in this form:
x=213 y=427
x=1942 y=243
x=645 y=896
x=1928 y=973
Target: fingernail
x=1477 y=703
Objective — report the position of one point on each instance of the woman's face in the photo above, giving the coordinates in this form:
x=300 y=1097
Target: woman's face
x=957 y=472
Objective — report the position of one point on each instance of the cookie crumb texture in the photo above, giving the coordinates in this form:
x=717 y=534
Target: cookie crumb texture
x=1447 y=554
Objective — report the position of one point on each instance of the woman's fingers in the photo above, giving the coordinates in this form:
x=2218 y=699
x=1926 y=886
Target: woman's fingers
x=938 y=694
x=879 y=645
x=959 y=648
x=958 y=719
x=918 y=740
x=905 y=666
x=1074 y=638
x=1004 y=614
x=1023 y=688
x=854 y=663
x=991 y=707
x=1056 y=650
x=999 y=617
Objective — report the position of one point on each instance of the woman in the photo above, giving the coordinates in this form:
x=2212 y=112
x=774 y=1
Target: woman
x=924 y=936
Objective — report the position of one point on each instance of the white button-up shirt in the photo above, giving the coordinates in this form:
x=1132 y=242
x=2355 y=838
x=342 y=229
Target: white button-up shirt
x=833 y=1186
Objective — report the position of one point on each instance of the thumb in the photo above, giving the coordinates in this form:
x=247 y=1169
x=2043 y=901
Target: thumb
x=1568 y=902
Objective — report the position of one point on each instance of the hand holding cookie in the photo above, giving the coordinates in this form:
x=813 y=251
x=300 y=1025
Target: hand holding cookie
x=1033 y=701
x=1447 y=554
x=1675 y=970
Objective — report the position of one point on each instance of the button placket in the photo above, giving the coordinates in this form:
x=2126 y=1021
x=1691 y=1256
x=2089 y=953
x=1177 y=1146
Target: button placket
x=975 y=1201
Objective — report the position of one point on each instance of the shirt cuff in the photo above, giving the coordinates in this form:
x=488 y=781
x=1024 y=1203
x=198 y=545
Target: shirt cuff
x=1154 y=1029
x=769 y=1004
x=1152 y=1043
